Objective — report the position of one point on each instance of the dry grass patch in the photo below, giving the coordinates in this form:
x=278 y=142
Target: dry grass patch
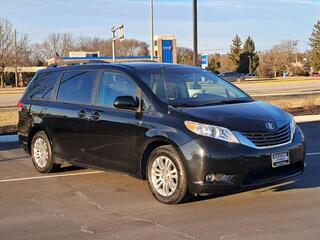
x=287 y=104
x=8 y=117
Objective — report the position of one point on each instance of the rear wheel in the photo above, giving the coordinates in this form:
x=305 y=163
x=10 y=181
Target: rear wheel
x=166 y=175
x=41 y=153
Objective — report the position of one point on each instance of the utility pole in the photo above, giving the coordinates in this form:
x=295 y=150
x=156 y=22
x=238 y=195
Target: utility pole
x=151 y=31
x=250 y=64
x=195 y=34
x=115 y=38
x=15 y=58
x=113 y=45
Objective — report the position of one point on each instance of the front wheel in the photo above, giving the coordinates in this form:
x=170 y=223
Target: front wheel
x=41 y=153
x=166 y=175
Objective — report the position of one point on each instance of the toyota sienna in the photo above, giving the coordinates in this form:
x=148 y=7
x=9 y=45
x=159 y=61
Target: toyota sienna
x=183 y=129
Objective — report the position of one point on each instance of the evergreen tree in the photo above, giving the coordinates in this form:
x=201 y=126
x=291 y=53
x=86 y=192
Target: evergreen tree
x=249 y=60
x=314 y=42
x=214 y=64
x=235 y=52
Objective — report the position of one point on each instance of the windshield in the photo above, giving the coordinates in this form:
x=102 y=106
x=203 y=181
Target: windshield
x=183 y=86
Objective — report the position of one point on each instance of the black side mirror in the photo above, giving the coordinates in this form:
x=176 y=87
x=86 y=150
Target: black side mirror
x=126 y=102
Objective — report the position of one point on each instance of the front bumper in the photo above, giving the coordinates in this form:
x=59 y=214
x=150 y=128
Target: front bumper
x=245 y=166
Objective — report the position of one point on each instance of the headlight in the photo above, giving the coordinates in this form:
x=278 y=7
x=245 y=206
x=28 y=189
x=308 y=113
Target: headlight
x=216 y=132
x=293 y=126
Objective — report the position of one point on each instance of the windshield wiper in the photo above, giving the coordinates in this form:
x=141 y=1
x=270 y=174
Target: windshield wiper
x=230 y=101
x=185 y=105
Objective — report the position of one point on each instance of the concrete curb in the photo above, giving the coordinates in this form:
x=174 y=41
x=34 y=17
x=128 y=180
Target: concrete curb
x=307 y=118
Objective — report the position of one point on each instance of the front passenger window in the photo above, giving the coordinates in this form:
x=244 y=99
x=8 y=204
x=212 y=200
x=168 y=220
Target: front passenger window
x=114 y=84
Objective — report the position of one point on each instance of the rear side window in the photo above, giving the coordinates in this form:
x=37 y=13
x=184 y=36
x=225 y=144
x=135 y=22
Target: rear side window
x=77 y=86
x=43 y=84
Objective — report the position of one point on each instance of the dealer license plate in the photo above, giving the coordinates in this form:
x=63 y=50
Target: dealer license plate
x=280 y=159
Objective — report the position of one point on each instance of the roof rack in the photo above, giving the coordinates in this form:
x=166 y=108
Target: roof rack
x=55 y=62
x=62 y=62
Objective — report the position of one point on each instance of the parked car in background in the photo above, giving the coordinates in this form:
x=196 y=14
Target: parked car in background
x=250 y=75
x=183 y=129
x=232 y=76
x=315 y=74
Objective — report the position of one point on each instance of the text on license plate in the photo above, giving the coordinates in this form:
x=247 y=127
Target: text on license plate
x=280 y=159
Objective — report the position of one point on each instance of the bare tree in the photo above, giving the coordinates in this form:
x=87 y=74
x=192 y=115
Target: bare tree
x=127 y=47
x=279 y=59
x=132 y=47
x=36 y=55
x=226 y=63
x=92 y=44
x=6 y=46
x=264 y=68
x=184 y=55
x=60 y=43
x=11 y=53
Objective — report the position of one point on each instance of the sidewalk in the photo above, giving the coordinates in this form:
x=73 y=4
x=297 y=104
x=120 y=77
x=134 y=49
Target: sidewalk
x=307 y=118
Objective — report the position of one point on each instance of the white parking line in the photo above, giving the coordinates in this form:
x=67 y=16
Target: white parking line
x=312 y=154
x=49 y=176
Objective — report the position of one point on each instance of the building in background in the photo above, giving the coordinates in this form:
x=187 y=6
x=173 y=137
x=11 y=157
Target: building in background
x=165 y=48
x=84 y=54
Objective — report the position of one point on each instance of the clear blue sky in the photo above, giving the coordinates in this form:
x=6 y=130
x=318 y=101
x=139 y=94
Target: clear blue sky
x=267 y=21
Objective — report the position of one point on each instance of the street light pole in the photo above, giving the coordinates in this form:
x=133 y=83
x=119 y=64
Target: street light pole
x=195 y=34
x=151 y=31
x=115 y=38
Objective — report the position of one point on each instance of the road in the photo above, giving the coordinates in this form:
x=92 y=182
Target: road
x=253 y=88
x=89 y=204
x=280 y=87
x=9 y=100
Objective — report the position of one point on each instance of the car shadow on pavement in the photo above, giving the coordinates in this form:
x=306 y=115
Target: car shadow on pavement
x=68 y=168
x=309 y=179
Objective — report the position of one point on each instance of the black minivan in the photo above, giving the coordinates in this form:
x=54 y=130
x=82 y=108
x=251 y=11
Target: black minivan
x=183 y=129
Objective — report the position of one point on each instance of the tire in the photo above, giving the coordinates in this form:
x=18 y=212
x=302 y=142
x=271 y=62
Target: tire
x=167 y=176
x=41 y=154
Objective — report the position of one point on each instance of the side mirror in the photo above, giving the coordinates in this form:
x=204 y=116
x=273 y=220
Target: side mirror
x=126 y=102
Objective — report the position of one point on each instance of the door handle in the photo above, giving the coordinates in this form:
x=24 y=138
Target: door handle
x=82 y=113
x=95 y=116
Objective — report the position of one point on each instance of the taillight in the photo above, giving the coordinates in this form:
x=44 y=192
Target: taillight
x=19 y=106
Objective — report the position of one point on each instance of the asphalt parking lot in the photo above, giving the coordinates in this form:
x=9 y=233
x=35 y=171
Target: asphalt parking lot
x=89 y=204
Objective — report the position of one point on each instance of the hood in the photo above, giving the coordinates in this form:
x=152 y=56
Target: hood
x=251 y=116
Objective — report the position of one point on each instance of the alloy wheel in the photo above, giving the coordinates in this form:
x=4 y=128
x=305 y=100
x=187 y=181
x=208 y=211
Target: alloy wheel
x=164 y=176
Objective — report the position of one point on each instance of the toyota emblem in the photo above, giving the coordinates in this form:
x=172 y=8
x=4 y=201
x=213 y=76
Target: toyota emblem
x=270 y=125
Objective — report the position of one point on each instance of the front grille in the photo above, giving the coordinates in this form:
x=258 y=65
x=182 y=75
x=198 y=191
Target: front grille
x=266 y=139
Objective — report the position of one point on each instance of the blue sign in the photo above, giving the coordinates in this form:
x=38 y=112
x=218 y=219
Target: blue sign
x=167 y=53
x=204 y=60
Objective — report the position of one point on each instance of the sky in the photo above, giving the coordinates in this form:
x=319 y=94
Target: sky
x=268 y=22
